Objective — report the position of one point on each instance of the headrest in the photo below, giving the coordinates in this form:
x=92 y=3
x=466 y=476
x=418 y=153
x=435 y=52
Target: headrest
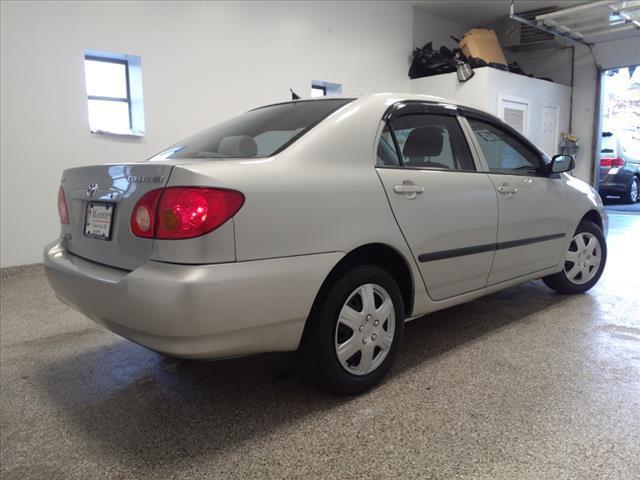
x=423 y=142
x=238 y=146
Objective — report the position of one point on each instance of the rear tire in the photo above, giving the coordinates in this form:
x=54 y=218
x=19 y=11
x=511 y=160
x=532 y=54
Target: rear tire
x=584 y=261
x=354 y=332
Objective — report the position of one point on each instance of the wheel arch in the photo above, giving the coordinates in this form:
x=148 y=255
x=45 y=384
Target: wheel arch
x=379 y=254
x=593 y=216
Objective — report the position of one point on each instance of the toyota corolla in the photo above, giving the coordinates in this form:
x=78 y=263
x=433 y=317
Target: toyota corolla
x=320 y=226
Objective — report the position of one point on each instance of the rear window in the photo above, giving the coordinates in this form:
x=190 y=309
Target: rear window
x=255 y=134
x=608 y=144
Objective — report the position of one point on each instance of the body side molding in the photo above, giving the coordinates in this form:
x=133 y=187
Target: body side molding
x=458 y=252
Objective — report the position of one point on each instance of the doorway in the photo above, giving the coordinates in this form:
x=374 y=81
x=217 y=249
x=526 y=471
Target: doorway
x=618 y=159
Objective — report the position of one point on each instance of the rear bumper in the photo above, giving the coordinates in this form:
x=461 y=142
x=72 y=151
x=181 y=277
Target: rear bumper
x=195 y=311
x=615 y=184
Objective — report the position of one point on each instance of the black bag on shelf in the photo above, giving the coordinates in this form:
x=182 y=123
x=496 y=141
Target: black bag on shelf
x=427 y=61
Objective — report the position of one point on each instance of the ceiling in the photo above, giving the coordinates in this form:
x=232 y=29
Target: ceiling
x=484 y=12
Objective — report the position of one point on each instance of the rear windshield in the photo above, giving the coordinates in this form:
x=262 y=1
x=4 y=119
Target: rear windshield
x=258 y=133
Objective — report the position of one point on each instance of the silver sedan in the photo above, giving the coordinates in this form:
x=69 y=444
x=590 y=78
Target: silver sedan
x=320 y=226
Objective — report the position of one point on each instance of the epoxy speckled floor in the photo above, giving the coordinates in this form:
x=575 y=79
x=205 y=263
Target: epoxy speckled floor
x=524 y=384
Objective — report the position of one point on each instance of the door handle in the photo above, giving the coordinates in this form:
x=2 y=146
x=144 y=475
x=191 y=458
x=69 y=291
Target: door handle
x=408 y=189
x=507 y=190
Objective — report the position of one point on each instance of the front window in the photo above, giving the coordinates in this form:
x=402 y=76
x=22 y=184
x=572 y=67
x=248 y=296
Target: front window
x=503 y=153
x=256 y=134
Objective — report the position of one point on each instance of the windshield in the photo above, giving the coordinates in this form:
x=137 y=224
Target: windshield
x=257 y=133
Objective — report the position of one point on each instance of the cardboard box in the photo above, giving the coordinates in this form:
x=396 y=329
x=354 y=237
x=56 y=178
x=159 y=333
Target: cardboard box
x=482 y=43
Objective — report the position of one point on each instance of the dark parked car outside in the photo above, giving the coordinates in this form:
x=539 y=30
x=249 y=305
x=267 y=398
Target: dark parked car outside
x=620 y=165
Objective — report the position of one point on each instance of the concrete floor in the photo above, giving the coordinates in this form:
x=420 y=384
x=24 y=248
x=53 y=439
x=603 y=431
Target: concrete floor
x=524 y=384
x=613 y=205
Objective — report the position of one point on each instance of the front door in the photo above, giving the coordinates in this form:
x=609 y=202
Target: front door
x=446 y=209
x=532 y=206
x=550 y=114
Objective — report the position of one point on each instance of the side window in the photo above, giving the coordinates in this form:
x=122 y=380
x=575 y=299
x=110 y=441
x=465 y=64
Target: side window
x=432 y=141
x=504 y=153
x=387 y=154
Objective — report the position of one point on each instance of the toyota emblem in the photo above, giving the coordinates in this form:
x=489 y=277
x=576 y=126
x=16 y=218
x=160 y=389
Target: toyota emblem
x=92 y=190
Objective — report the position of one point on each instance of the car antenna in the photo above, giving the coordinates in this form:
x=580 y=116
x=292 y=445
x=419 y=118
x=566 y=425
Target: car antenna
x=294 y=95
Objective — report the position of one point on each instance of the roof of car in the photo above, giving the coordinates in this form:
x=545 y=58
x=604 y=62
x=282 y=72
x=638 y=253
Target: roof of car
x=373 y=97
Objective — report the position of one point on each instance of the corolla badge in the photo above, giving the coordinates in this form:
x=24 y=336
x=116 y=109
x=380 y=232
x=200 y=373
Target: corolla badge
x=92 y=190
x=146 y=179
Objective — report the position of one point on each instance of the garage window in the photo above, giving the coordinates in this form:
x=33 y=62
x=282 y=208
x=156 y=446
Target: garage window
x=114 y=93
x=318 y=91
x=322 y=88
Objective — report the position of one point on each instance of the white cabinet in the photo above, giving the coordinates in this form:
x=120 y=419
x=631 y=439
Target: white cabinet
x=537 y=108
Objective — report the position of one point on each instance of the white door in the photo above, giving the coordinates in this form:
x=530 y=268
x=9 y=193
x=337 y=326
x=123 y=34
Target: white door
x=532 y=207
x=446 y=209
x=550 y=133
x=514 y=112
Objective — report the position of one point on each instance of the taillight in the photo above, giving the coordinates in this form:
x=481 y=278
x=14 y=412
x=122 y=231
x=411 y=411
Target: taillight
x=143 y=218
x=611 y=162
x=183 y=212
x=63 y=211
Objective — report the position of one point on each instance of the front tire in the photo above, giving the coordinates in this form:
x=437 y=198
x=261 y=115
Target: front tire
x=354 y=333
x=584 y=261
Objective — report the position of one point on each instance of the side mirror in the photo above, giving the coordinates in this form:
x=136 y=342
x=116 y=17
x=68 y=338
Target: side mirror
x=562 y=163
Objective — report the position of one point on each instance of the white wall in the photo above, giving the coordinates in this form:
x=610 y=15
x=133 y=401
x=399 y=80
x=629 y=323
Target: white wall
x=201 y=63
x=428 y=28
x=472 y=93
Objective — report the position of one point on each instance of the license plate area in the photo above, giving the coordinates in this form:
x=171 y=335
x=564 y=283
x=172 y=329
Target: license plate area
x=99 y=220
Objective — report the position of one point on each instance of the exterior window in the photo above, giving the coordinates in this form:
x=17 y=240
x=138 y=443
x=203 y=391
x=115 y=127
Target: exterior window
x=255 y=134
x=321 y=88
x=432 y=141
x=318 y=91
x=114 y=93
x=387 y=154
x=503 y=153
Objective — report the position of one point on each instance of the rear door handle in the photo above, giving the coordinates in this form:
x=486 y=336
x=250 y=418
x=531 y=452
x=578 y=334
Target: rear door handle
x=507 y=190
x=410 y=190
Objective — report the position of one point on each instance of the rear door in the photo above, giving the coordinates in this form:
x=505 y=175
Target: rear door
x=446 y=209
x=533 y=208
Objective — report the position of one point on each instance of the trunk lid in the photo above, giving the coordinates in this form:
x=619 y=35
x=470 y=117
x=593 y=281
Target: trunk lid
x=113 y=189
